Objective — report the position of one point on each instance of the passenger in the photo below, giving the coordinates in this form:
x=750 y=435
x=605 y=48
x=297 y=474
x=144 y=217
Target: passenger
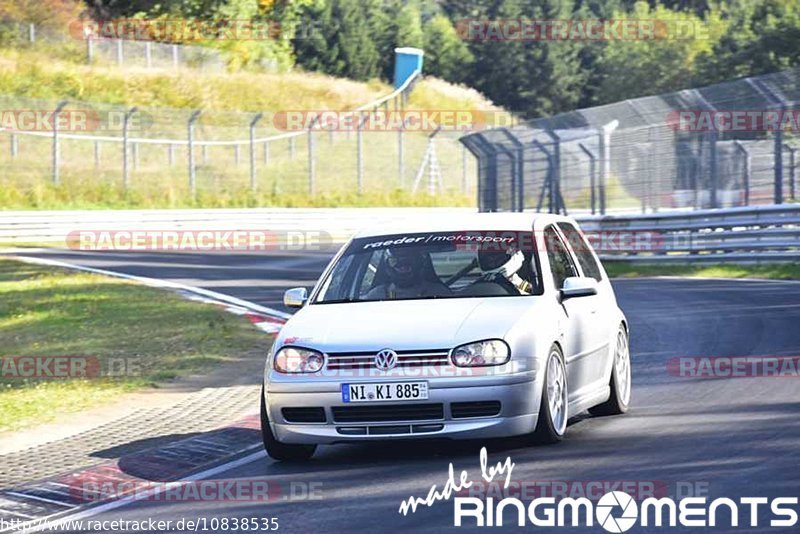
x=502 y=268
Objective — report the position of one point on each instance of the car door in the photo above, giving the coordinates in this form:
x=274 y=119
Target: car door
x=575 y=319
x=597 y=331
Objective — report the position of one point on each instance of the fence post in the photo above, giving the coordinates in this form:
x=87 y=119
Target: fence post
x=464 y=186
x=266 y=153
x=89 y=49
x=713 y=167
x=237 y=154
x=359 y=155
x=14 y=146
x=779 y=101
x=253 y=123
x=778 y=149
x=291 y=148
x=605 y=162
x=592 y=175
x=556 y=202
x=792 y=170
x=56 y=147
x=32 y=33
x=311 y=167
x=175 y=56
x=120 y=57
x=204 y=153
x=148 y=54
x=748 y=169
x=401 y=164
x=190 y=138
x=171 y=154
x=125 y=122
x=96 y=154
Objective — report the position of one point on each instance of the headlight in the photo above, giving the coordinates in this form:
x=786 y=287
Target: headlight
x=297 y=360
x=481 y=353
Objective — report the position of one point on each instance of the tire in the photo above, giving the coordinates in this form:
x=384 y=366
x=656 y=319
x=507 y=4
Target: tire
x=283 y=452
x=554 y=407
x=620 y=383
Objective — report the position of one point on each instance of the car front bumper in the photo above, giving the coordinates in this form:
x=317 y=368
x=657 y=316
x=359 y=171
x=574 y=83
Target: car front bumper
x=519 y=396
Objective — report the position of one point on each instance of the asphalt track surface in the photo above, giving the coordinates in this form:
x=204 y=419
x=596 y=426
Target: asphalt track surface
x=725 y=437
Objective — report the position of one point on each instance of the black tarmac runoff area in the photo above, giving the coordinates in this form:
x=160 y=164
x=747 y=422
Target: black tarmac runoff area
x=712 y=437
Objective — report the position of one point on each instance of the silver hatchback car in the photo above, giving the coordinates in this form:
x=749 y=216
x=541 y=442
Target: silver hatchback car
x=495 y=325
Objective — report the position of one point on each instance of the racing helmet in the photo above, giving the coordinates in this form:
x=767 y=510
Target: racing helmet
x=404 y=265
x=500 y=262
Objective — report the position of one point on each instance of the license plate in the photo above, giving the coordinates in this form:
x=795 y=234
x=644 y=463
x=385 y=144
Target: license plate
x=392 y=391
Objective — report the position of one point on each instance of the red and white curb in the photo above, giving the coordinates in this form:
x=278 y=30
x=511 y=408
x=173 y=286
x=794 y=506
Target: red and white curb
x=45 y=504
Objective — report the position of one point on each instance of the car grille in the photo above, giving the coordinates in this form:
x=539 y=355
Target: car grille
x=388 y=412
x=474 y=409
x=405 y=358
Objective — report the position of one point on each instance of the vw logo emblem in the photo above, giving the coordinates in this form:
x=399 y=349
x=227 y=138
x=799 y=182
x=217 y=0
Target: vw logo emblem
x=386 y=359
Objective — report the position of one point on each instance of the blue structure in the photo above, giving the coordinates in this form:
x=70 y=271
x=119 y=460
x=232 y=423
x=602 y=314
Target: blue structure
x=407 y=61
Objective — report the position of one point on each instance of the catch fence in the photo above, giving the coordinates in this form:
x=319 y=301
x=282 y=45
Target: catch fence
x=726 y=145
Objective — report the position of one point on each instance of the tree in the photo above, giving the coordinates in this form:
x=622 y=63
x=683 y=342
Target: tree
x=532 y=77
x=633 y=68
x=409 y=26
x=447 y=56
x=762 y=37
x=342 y=45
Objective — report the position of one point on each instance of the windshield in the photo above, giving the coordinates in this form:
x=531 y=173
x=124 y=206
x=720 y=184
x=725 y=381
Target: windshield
x=438 y=265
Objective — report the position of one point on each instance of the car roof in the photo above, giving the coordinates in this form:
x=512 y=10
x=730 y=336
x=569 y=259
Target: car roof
x=520 y=222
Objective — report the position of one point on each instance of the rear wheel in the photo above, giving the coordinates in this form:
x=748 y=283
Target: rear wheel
x=283 y=452
x=620 y=383
x=553 y=413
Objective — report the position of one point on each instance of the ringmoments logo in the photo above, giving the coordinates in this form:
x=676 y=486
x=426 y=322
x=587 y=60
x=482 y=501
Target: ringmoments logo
x=618 y=511
x=615 y=511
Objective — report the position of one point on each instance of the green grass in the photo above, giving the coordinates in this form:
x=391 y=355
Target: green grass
x=774 y=271
x=55 y=74
x=228 y=102
x=54 y=312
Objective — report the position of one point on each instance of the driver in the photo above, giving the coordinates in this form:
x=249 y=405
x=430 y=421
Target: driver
x=404 y=269
x=502 y=267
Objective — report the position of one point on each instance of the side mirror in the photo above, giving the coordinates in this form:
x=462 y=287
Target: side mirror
x=575 y=286
x=295 y=298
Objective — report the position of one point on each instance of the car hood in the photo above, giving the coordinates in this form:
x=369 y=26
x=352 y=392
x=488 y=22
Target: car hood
x=402 y=325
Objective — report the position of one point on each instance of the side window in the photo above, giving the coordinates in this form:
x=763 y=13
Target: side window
x=560 y=261
x=582 y=251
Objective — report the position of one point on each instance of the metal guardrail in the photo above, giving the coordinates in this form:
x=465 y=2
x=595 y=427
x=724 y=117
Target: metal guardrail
x=748 y=234
x=338 y=224
x=765 y=233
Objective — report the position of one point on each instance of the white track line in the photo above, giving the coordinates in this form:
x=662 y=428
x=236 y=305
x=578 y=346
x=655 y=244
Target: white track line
x=39 y=525
x=40 y=499
x=163 y=284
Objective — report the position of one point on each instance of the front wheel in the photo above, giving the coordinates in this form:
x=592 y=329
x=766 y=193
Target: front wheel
x=283 y=452
x=553 y=414
x=620 y=384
